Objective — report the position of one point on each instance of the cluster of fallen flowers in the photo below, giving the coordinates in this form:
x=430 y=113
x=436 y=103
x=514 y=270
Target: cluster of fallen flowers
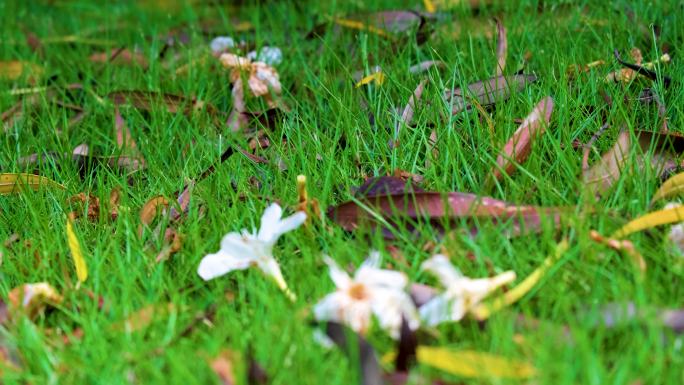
x=371 y=291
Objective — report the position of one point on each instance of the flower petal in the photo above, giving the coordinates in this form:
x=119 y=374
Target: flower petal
x=270 y=221
x=339 y=277
x=329 y=308
x=290 y=223
x=271 y=268
x=218 y=264
x=238 y=245
x=381 y=277
x=477 y=289
x=389 y=306
x=373 y=260
x=442 y=309
x=440 y=266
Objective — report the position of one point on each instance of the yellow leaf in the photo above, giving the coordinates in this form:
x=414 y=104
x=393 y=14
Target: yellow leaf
x=672 y=186
x=473 y=364
x=653 y=219
x=429 y=6
x=353 y=24
x=483 y=311
x=11 y=183
x=76 y=253
x=377 y=77
x=14 y=69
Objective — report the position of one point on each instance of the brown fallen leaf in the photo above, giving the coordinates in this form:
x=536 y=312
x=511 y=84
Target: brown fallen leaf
x=147 y=100
x=224 y=366
x=486 y=92
x=143 y=317
x=150 y=209
x=666 y=150
x=501 y=47
x=407 y=114
x=125 y=142
x=121 y=56
x=438 y=207
x=519 y=146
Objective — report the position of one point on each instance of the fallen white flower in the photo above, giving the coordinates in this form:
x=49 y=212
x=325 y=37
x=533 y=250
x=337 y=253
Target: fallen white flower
x=461 y=293
x=242 y=250
x=371 y=291
x=221 y=43
x=269 y=55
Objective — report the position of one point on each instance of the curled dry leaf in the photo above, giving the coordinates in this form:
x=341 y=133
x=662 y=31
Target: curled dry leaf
x=622 y=246
x=13 y=183
x=33 y=298
x=486 y=92
x=519 y=146
x=671 y=187
x=501 y=48
x=407 y=114
x=666 y=148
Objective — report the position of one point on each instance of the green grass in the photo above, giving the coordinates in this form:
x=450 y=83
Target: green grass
x=316 y=77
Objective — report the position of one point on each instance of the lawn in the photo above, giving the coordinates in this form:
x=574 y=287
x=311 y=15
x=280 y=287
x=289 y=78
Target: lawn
x=138 y=85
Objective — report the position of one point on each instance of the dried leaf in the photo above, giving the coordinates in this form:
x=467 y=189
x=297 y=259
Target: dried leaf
x=76 y=253
x=149 y=210
x=671 y=187
x=120 y=56
x=501 y=48
x=183 y=202
x=33 y=298
x=438 y=207
x=650 y=220
x=486 y=92
x=473 y=364
x=622 y=246
x=14 y=69
x=666 y=148
x=12 y=183
x=147 y=100
x=143 y=317
x=484 y=311
x=519 y=146
x=224 y=366
x=407 y=114
x=173 y=242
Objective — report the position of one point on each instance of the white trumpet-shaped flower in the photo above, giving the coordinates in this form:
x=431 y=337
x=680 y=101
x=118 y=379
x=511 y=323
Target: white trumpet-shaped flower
x=461 y=293
x=371 y=291
x=242 y=250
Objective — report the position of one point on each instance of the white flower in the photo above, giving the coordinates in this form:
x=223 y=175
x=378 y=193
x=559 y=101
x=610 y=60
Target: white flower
x=242 y=250
x=269 y=55
x=461 y=293
x=371 y=291
x=221 y=43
